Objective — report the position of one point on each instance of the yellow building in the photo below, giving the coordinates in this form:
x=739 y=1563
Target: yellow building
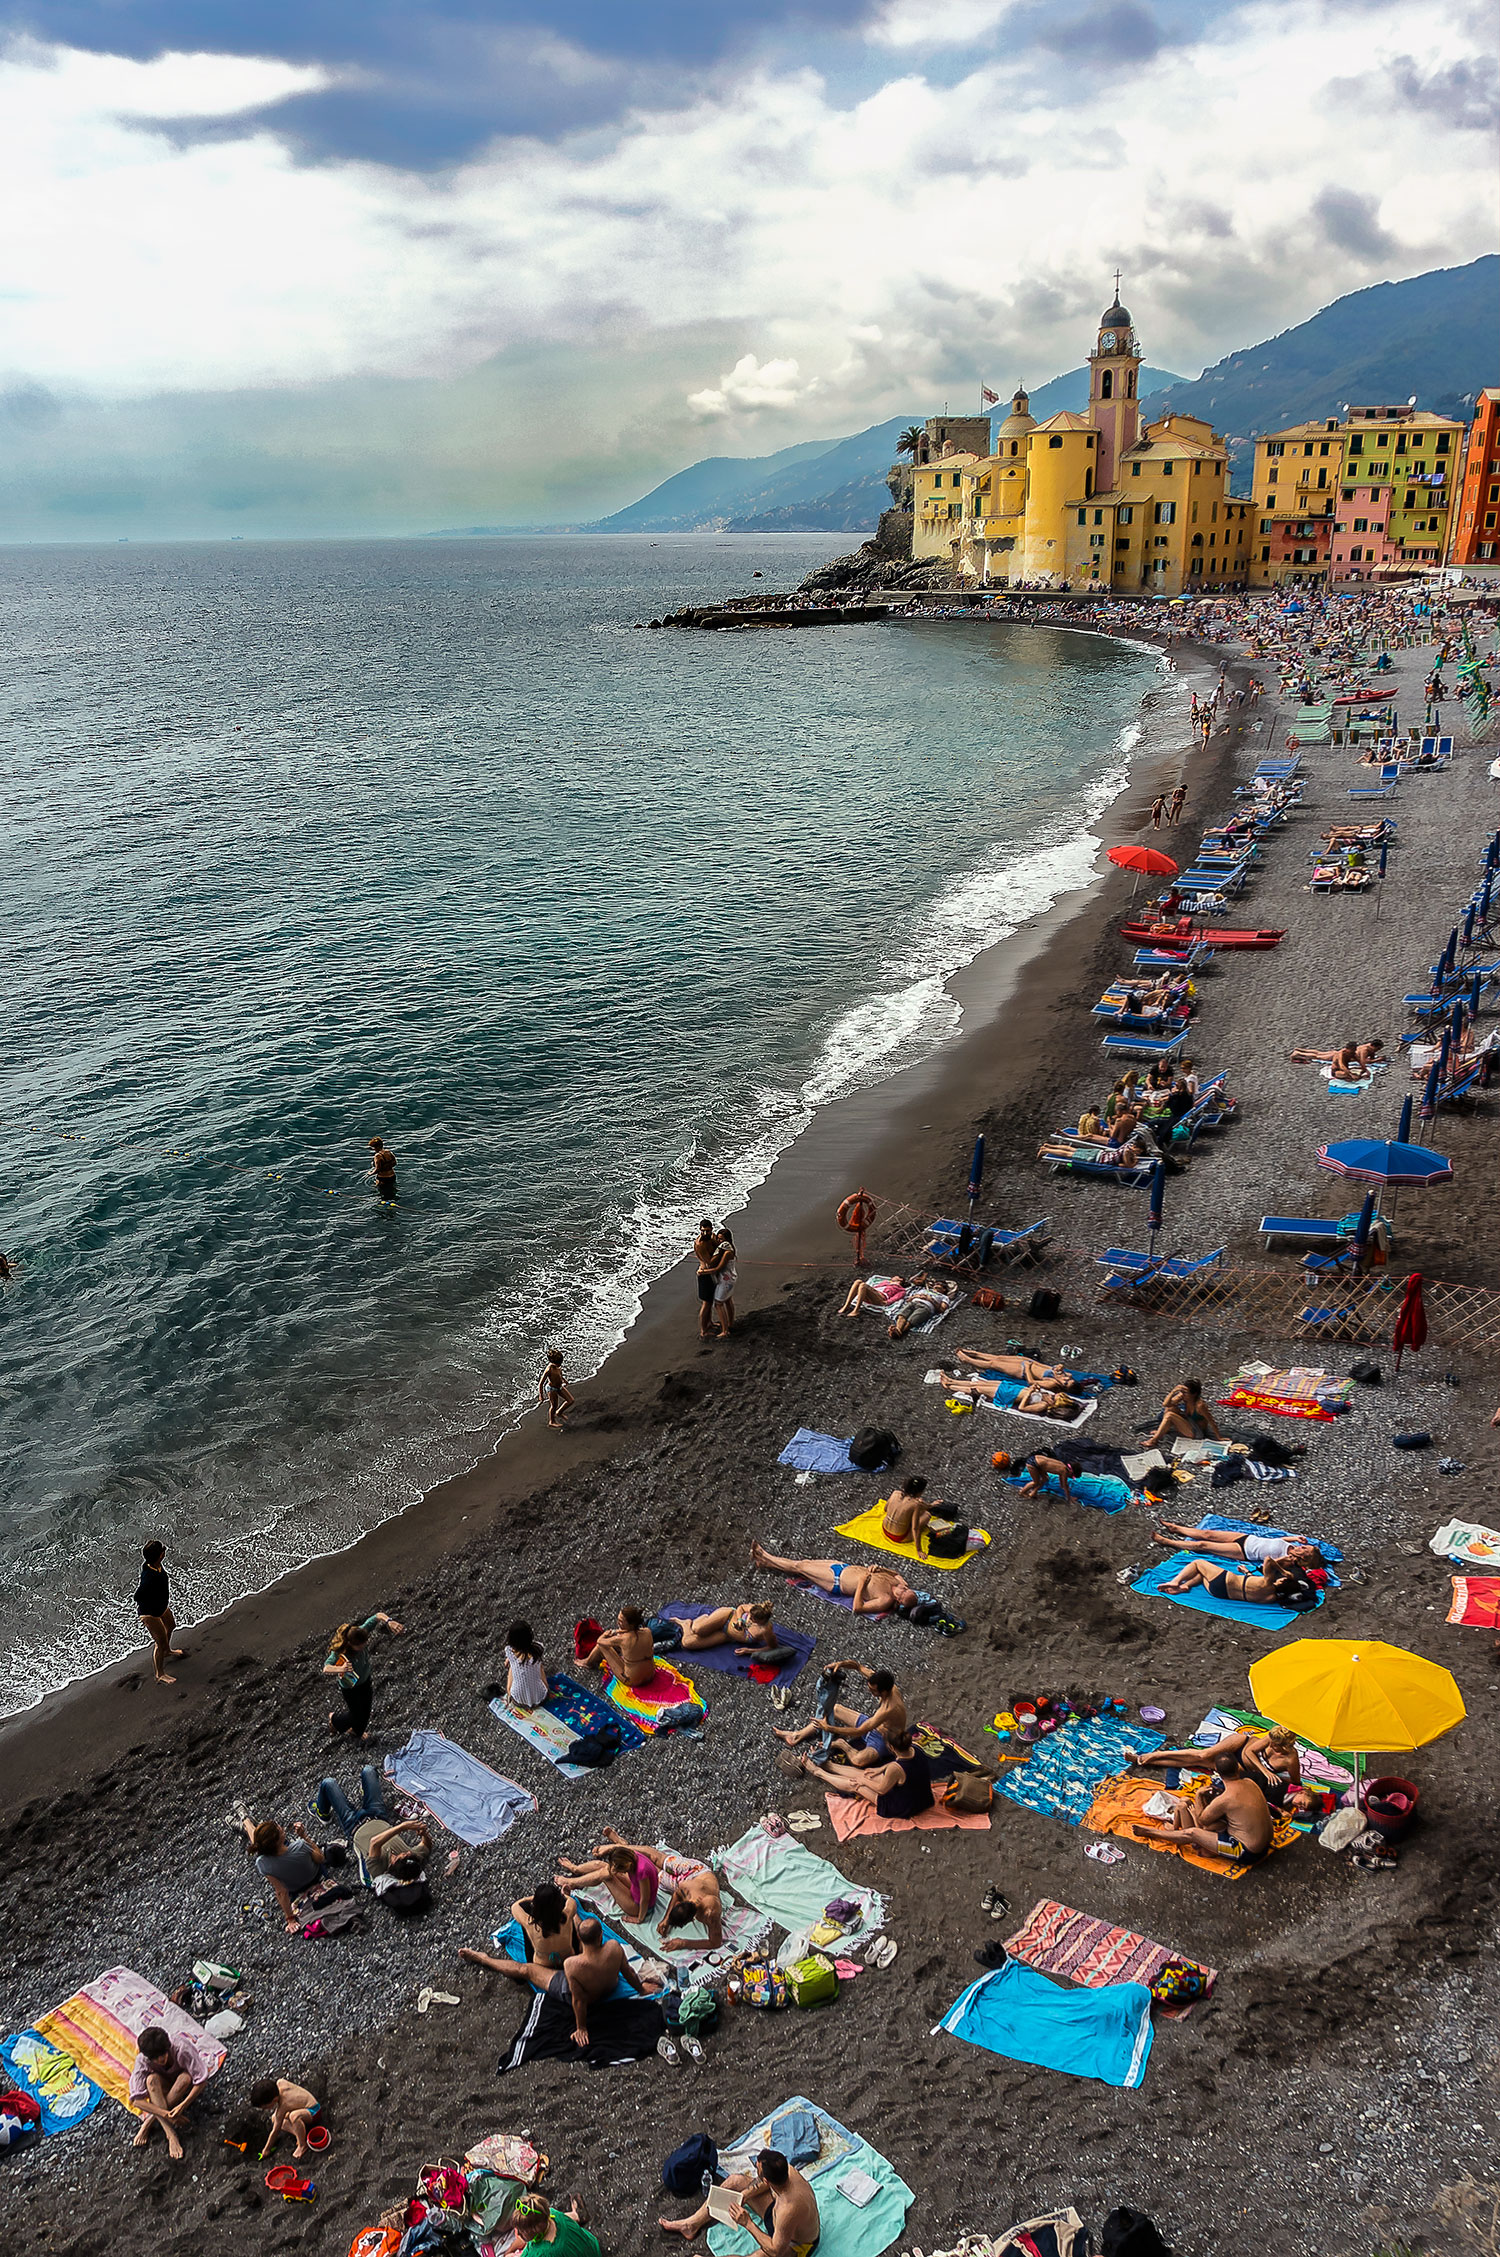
x=1093 y=500
x=1397 y=466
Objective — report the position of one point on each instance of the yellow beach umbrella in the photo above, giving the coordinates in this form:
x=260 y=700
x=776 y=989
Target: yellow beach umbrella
x=1356 y=1695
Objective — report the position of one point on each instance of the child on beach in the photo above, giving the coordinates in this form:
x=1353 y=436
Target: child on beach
x=525 y=1671
x=292 y=2108
x=553 y=1390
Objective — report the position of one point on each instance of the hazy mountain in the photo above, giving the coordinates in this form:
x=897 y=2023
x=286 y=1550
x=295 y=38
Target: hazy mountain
x=727 y=490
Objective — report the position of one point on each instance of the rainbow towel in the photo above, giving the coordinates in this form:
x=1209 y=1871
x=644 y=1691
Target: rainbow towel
x=668 y=1701
x=98 y=2026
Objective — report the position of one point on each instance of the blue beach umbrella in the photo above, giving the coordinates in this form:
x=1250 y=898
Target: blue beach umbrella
x=1451 y=950
x=1403 y=1126
x=976 y=1173
x=1484 y=898
x=1362 y=1227
x=1430 y=1090
x=1157 y=1201
x=1456 y=1020
x=1468 y=936
x=1371 y=1160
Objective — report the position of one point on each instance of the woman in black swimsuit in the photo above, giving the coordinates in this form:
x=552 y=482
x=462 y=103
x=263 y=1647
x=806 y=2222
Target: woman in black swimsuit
x=549 y=1922
x=153 y=1605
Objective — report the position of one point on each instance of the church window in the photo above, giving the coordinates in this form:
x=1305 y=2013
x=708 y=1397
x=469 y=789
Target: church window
x=1130 y=385
x=1054 y=441
x=1088 y=484
x=1015 y=443
x=1107 y=385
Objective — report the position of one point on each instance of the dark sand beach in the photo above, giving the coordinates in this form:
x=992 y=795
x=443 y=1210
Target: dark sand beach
x=1343 y=2073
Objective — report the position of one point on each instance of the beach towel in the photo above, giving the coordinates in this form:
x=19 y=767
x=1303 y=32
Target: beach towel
x=1224 y=1525
x=52 y=2078
x=1056 y=1940
x=98 y=2026
x=1476 y=1601
x=1199 y=1601
x=728 y=1662
x=1101 y=2034
x=852 y=1816
x=1284 y=1406
x=865 y=1528
x=848 y=2229
x=455 y=1788
x=1468 y=1542
x=668 y=1701
x=1121 y=1803
x=812 y=1452
x=1066 y=1768
x=1094 y=1489
x=568 y=1712
x=776 y=1875
x=511 y=1942
x=620 y=2030
x=744 y=1928
x=1319 y=1767
x=1008 y=1393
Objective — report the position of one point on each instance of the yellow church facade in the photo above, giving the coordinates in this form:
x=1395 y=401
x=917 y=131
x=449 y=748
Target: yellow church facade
x=1098 y=500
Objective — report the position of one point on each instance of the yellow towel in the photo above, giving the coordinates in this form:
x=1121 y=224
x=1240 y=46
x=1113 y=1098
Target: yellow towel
x=867 y=1530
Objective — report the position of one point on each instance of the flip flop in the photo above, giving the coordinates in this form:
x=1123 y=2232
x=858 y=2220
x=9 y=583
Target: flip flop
x=803 y=1821
x=694 y=2051
x=668 y=2050
x=426 y=1998
x=882 y=1953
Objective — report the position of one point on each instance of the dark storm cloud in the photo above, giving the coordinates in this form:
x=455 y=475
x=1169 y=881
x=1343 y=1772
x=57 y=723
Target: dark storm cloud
x=1350 y=223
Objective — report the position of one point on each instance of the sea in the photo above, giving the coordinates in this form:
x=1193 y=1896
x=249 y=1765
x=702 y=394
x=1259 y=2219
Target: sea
x=434 y=841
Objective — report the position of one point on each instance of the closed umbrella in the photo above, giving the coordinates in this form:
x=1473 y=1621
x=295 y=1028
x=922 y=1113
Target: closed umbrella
x=1468 y=932
x=1484 y=894
x=1474 y=988
x=1430 y=1090
x=1157 y=1200
x=1451 y=950
x=1456 y=1020
x=1362 y=1227
x=1411 y=1320
x=1356 y=1696
x=1403 y=1126
x=976 y=1173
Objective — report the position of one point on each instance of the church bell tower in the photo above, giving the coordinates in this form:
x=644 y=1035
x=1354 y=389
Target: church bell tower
x=1114 y=367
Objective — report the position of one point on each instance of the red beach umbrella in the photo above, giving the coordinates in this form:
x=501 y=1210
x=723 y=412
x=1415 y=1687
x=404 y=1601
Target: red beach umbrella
x=1146 y=859
x=1411 y=1320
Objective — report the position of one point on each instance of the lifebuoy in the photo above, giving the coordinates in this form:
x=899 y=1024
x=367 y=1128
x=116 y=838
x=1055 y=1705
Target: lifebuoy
x=857 y=1212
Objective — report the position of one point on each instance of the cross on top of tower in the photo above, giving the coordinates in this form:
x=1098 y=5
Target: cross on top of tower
x=1117 y=282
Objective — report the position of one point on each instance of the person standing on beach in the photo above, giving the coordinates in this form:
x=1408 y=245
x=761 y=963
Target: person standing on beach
x=725 y=1279
x=553 y=1390
x=153 y=1605
x=383 y=1168
x=349 y=1661
x=1158 y=810
x=1179 y=801
x=710 y=1261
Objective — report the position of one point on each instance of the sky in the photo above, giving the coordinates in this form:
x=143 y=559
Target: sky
x=339 y=268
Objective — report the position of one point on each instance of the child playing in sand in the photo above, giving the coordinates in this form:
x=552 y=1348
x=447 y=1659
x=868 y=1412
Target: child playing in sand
x=553 y=1390
x=292 y=2108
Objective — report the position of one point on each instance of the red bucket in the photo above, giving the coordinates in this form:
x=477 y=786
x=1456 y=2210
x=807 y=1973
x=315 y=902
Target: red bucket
x=1390 y=1805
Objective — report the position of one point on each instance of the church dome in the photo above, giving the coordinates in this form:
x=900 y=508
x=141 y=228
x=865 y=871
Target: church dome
x=1117 y=317
x=1020 y=419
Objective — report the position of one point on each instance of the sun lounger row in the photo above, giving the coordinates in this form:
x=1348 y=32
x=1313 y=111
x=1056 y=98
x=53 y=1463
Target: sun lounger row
x=956 y=1243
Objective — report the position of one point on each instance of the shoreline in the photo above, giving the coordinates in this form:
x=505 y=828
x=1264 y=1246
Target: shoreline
x=872 y=1133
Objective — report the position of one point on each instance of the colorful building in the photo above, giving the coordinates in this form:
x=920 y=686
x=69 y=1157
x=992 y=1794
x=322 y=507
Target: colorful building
x=1476 y=514
x=1391 y=467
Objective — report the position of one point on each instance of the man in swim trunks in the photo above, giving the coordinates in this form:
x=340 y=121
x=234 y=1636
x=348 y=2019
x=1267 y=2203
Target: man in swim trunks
x=777 y=2208
x=1232 y=1820
x=710 y=1258
x=861 y=1736
x=870 y=1590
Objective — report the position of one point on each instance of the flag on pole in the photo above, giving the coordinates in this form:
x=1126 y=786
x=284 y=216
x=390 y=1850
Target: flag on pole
x=990 y=399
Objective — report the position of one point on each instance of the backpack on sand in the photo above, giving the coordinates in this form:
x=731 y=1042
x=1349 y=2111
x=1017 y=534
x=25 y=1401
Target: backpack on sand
x=1045 y=1303
x=1130 y=2233
x=966 y=1790
x=682 y=2172
x=873 y=1449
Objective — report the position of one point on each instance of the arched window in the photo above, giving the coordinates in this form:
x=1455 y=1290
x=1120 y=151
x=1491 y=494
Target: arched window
x=1015 y=446
x=1088 y=484
x=1130 y=384
x=1107 y=385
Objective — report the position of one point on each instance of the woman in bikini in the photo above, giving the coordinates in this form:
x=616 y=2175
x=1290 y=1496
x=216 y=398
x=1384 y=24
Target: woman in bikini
x=870 y=1590
x=1028 y=1368
x=1278 y=1583
x=1040 y=1401
x=630 y=1873
x=745 y=1627
x=866 y=1292
x=1272 y=1759
x=1184 y=1413
x=549 y=1922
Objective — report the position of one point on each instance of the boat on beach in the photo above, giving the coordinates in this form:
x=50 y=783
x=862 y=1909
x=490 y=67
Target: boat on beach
x=1184 y=933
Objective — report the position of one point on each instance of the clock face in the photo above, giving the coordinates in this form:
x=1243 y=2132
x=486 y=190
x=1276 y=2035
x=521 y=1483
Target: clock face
x=1106 y=340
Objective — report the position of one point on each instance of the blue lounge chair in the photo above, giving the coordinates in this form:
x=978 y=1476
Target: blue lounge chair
x=1143 y=1045
x=1062 y=1163
x=1441 y=747
x=1372 y=791
x=986 y=1244
x=1131 y=1271
x=1163 y=960
x=1302 y=1229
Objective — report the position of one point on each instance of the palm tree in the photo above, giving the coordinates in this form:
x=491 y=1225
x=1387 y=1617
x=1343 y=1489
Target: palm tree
x=910 y=439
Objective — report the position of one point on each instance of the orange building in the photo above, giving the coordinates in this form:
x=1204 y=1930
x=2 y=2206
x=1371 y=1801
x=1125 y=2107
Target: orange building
x=1476 y=520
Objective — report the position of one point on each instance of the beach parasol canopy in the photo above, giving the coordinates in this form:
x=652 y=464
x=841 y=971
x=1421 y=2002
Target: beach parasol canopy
x=1369 y=1160
x=1356 y=1696
x=976 y=1173
x=1145 y=859
x=1411 y=1320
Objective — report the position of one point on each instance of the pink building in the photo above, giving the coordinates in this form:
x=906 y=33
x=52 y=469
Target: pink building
x=1361 y=545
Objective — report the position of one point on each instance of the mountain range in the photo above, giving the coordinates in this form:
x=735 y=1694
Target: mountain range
x=1433 y=336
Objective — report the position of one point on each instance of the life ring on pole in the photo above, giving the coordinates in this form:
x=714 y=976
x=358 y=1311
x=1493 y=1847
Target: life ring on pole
x=856 y=1213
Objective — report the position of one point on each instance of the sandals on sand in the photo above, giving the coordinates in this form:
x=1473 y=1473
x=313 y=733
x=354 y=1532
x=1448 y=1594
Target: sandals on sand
x=882 y=1953
x=803 y=1821
x=668 y=2050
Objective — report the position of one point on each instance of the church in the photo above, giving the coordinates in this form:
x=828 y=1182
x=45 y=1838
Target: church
x=1098 y=500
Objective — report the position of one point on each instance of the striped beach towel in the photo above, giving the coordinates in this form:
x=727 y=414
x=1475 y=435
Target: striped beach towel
x=1056 y=1940
x=98 y=2026
x=668 y=1701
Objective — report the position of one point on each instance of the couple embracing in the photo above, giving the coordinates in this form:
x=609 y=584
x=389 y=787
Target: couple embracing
x=716 y=1279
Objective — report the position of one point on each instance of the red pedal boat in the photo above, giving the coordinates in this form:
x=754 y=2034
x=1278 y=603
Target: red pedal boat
x=1182 y=933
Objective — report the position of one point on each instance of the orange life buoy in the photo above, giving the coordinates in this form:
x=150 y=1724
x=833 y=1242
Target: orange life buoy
x=857 y=1212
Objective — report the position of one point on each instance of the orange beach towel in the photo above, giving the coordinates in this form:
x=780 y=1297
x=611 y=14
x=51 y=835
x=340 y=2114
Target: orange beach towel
x=1121 y=1803
x=852 y=1816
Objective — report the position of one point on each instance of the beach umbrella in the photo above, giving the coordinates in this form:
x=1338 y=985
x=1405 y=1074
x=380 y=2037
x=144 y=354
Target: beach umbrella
x=976 y=1173
x=1411 y=1320
x=1146 y=861
x=1370 y=1160
x=1157 y=1201
x=1456 y=1020
x=1474 y=990
x=1451 y=951
x=1356 y=1696
x=1403 y=1126
x=1385 y=848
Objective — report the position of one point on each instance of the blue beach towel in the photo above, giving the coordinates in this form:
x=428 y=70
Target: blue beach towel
x=1100 y=1490
x=1067 y=1769
x=1228 y=1527
x=53 y=2080
x=812 y=1452
x=1230 y=1610
x=463 y=1794
x=726 y=1660
x=1104 y=2034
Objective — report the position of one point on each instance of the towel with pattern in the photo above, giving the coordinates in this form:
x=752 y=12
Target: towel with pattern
x=744 y=1928
x=98 y=2026
x=865 y=1528
x=1319 y=1767
x=1199 y=1601
x=728 y=1660
x=1476 y=1601
x=1120 y=1805
x=1067 y=1767
x=1284 y=1406
x=667 y=1702
x=1468 y=1542
x=1056 y=1940
x=567 y=1713
x=52 y=2079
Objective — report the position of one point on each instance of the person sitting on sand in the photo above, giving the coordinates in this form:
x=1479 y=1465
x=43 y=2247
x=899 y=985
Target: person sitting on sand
x=695 y=1893
x=908 y=1510
x=1278 y=1585
x=1300 y=1550
x=631 y=1874
x=626 y=1652
x=899 y=1788
x=1042 y=1402
x=869 y=1590
x=1185 y=1413
x=564 y=2231
x=1120 y=1097
x=867 y=1292
x=860 y=1735
x=1272 y=1760
x=922 y=1303
x=1029 y=1368
x=777 y=2208
x=292 y=2108
x=1231 y=1820
x=168 y=2075
x=290 y=1866
x=747 y=1627
x=1091 y=1122
x=586 y=1977
x=549 y=1922
x=526 y=1685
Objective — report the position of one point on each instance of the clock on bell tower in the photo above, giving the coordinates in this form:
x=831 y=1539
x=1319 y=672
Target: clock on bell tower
x=1114 y=366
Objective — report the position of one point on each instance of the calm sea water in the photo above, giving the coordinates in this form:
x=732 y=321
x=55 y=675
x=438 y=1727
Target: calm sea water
x=311 y=843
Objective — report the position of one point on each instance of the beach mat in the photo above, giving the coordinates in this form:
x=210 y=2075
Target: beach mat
x=848 y=2229
x=730 y=1664
x=1319 y=1767
x=1222 y=1523
x=745 y=1929
x=621 y=2030
x=811 y=1452
x=776 y=1875
x=1066 y=1768
x=1467 y=1542
x=52 y=2079
x=1008 y=1393
x=1198 y=1601
x=1056 y=1940
x=854 y=1818
x=669 y=1701
x=455 y=1788
x=1097 y=1490
x=865 y=1528
x=568 y=1712
x=1120 y=1804
x=1476 y=1601
x=1283 y=1406
x=1021 y=2015
x=98 y=2026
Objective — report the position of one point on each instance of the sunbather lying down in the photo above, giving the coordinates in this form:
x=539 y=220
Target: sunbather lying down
x=1223 y=1544
x=746 y=1627
x=1349 y=1058
x=1279 y=1584
x=1041 y=1401
x=1027 y=1368
x=871 y=1590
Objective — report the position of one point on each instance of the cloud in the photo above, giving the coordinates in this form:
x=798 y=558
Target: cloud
x=1352 y=223
x=1115 y=32
x=750 y=386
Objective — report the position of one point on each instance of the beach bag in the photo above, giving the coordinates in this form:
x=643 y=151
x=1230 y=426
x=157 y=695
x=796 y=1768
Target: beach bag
x=376 y=2241
x=986 y=1297
x=1414 y=1441
x=492 y=2200
x=332 y=1918
x=946 y=1540
x=812 y=1981
x=586 y=1635
x=666 y=1633
x=682 y=2172
x=1226 y=1472
x=1368 y=1375
x=1045 y=1303
x=966 y=1790
x=596 y=1751
x=213 y=1977
x=763 y=1985
x=873 y=1449
x=1130 y=2233
x=408 y=1899
x=509 y=2156
x=1178 y=1982
x=443 y=2186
